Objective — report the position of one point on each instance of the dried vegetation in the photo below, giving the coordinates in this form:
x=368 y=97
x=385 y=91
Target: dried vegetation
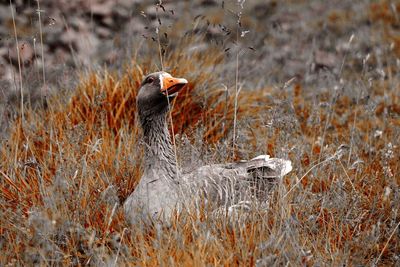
x=66 y=169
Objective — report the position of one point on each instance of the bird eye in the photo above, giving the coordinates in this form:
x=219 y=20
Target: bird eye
x=150 y=80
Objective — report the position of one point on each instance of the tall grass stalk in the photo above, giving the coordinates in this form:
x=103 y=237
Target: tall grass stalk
x=236 y=100
x=19 y=62
x=334 y=98
x=41 y=41
x=75 y=58
x=238 y=26
x=169 y=104
x=387 y=243
x=159 y=48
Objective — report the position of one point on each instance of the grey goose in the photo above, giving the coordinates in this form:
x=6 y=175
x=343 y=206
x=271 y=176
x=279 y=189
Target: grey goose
x=163 y=188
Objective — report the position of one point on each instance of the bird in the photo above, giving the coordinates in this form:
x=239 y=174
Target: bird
x=163 y=188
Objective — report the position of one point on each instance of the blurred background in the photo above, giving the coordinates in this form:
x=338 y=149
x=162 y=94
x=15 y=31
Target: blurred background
x=278 y=40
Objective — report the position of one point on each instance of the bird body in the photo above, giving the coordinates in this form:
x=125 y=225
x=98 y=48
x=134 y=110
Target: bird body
x=163 y=188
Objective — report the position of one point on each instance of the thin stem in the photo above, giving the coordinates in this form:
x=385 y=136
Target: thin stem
x=19 y=63
x=41 y=41
x=158 y=37
x=169 y=104
x=387 y=243
x=236 y=88
x=352 y=131
x=235 y=105
x=328 y=120
x=119 y=247
x=173 y=139
x=159 y=48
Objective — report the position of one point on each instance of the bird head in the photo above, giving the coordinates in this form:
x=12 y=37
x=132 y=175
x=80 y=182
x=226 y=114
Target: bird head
x=156 y=91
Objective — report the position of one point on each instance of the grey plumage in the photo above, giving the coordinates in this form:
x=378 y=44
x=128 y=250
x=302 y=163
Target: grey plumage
x=163 y=188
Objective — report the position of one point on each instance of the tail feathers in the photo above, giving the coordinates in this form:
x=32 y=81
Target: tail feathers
x=271 y=167
x=264 y=157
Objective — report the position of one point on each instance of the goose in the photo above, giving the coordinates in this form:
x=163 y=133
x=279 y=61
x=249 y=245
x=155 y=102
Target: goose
x=163 y=188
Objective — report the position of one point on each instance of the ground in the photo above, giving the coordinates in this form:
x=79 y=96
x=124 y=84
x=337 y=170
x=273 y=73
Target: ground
x=315 y=82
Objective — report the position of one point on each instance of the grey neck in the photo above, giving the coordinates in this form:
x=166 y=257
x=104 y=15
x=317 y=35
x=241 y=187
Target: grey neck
x=159 y=154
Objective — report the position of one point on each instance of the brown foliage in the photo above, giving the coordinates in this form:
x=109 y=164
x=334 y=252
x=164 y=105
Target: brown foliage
x=65 y=170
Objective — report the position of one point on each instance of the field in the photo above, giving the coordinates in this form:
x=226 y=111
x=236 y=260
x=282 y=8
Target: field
x=315 y=82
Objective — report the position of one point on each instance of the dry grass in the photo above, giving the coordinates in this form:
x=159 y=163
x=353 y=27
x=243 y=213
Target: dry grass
x=66 y=169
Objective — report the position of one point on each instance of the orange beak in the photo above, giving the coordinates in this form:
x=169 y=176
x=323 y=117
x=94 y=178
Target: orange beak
x=171 y=86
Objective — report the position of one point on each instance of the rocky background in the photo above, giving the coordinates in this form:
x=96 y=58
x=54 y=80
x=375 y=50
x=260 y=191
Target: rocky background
x=279 y=39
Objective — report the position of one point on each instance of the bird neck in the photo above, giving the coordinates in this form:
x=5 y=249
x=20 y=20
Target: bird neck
x=159 y=153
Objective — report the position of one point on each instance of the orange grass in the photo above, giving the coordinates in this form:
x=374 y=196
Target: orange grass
x=66 y=169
